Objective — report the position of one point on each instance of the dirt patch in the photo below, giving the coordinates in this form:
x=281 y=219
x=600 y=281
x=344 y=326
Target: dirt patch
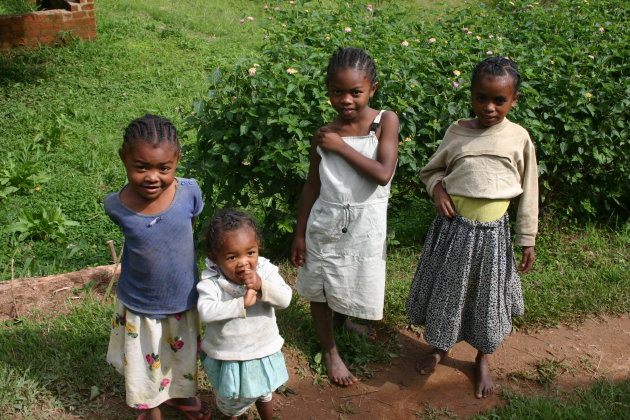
x=563 y=358
x=597 y=349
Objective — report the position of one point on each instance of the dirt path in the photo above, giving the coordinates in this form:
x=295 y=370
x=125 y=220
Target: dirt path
x=565 y=357
x=597 y=349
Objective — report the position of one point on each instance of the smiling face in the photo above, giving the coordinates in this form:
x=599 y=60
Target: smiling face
x=492 y=99
x=350 y=91
x=150 y=172
x=237 y=252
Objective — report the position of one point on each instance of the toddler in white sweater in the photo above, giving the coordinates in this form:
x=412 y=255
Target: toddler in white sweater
x=238 y=292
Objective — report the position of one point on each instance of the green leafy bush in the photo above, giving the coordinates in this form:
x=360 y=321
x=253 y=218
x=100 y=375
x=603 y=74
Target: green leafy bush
x=42 y=224
x=255 y=124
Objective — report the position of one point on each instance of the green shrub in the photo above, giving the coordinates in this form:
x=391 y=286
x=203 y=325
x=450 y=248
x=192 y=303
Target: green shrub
x=255 y=124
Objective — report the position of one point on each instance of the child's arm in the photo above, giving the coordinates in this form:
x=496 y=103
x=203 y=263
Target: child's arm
x=274 y=289
x=526 y=225
x=212 y=308
x=380 y=169
x=310 y=192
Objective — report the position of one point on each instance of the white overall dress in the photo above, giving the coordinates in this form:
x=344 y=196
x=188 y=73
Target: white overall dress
x=346 y=236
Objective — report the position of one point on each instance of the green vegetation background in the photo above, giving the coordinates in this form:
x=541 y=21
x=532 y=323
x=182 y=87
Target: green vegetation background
x=62 y=112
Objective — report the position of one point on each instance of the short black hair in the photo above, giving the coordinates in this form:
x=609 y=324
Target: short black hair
x=151 y=129
x=497 y=66
x=354 y=58
x=228 y=220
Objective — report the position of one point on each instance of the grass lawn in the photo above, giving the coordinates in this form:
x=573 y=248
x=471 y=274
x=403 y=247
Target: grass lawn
x=62 y=111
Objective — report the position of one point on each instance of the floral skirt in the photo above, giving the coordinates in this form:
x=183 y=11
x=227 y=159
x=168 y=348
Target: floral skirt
x=466 y=287
x=158 y=357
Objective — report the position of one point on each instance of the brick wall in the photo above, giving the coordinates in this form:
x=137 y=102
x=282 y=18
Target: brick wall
x=48 y=26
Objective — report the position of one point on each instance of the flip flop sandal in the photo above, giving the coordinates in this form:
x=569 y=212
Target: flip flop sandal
x=189 y=410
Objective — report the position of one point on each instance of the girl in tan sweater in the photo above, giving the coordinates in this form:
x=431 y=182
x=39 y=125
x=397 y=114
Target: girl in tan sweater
x=466 y=287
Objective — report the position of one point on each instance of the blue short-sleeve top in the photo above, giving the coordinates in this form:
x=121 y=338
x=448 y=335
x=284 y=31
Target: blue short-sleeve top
x=158 y=267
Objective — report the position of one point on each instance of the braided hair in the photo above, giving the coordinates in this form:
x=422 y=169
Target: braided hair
x=497 y=66
x=152 y=130
x=226 y=220
x=354 y=58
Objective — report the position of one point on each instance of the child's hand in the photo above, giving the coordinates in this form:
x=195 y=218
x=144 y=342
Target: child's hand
x=251 y=280
x=527 y=261
x=297 y=252
x=250 y=298
x=328 y=140
x=443 y=203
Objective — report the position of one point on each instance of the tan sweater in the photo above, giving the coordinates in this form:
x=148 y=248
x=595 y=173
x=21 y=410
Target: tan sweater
x=496 y=163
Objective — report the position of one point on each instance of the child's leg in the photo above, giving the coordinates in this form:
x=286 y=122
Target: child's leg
x=336 y=368
x=265 y=409
x=484 y=385
x=428 y=363
x=341 y=320
x=151 y=414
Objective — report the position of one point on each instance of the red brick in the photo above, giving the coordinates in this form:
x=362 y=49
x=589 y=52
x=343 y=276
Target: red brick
x=87 y=6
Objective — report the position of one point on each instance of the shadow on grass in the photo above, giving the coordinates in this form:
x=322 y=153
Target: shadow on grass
x=23 y=66
x=59 y=364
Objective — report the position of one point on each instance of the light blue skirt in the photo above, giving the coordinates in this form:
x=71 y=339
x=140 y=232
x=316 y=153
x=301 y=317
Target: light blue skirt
x=246 y=379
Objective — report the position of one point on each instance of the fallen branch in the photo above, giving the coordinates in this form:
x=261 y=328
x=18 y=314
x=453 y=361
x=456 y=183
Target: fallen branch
x=14 y=310
x=116 y=258
x=359 y=395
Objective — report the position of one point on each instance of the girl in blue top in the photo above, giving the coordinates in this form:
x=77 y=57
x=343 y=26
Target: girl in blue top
x=155 y=330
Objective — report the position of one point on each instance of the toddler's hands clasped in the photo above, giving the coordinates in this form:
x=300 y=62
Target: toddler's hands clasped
x=251 y=279
x=250 y=298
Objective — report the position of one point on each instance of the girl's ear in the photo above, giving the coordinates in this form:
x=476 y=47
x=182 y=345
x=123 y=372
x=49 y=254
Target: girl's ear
x=515 y=98
x=373 y=89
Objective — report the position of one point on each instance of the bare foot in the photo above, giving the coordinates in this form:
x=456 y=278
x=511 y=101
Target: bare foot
x=428 y=363
x=337 y=370
x=484 y=385
x=360 y=329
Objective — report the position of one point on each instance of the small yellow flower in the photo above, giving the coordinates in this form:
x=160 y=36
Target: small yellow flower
x=457 y=72
x=256 y=65
x=327 y=38
x=431 y=40
x=291 y=70
x=405 y=43
x=407 y=138
x=130 y=328
x=37 y=188
x=347 y=29
x=588 y=95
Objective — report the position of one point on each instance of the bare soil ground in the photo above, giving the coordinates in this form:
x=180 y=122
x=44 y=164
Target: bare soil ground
x=577 y=356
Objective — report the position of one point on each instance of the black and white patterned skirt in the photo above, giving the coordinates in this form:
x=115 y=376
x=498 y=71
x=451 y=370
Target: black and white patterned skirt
x=466 y=287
